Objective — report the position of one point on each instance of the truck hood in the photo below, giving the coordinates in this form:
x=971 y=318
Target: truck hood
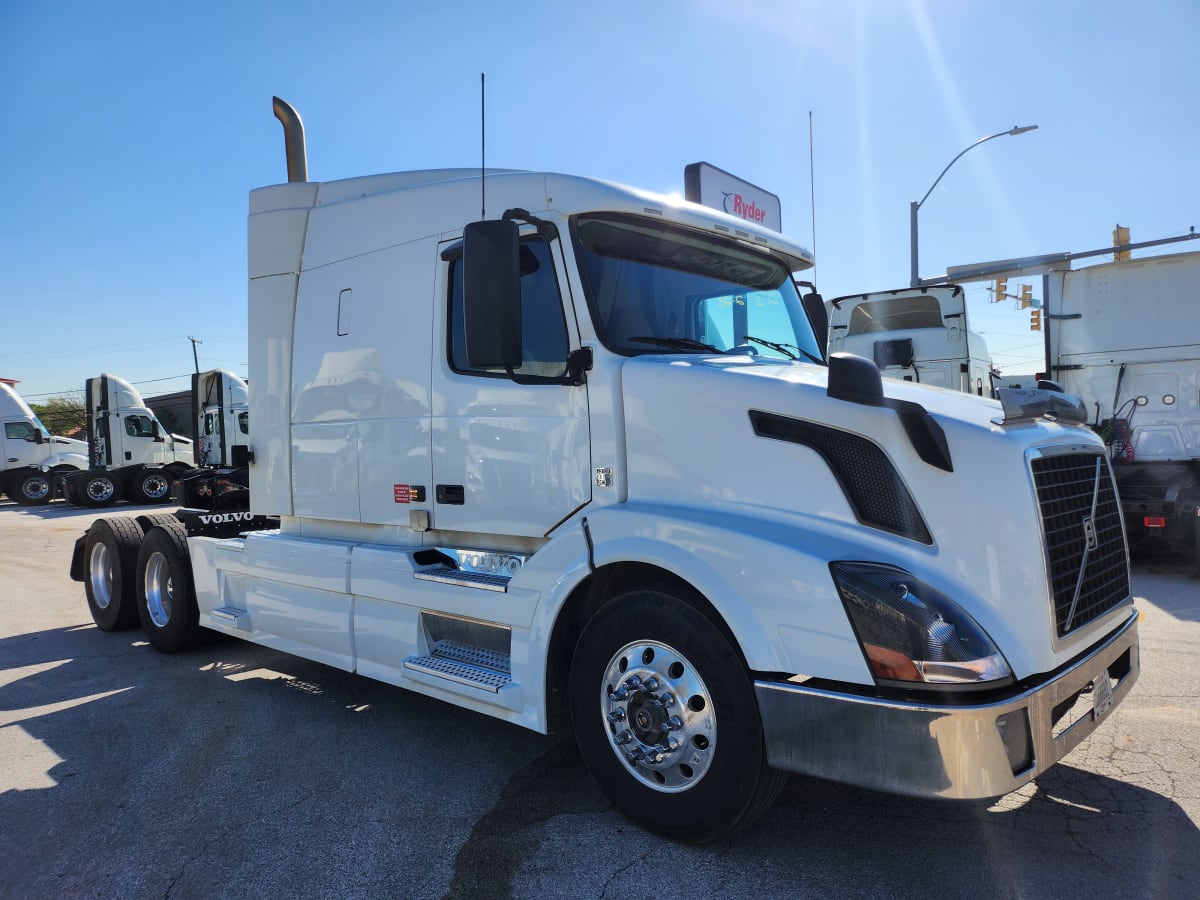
x=743 y=436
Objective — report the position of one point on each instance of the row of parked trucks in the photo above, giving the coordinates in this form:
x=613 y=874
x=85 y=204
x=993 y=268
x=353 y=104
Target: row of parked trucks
x=128 y=453
x=583 y=462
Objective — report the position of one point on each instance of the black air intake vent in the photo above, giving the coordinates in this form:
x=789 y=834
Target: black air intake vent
x=868 y=479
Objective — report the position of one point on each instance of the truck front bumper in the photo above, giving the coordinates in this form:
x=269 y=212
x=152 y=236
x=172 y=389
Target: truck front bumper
x=958 y=752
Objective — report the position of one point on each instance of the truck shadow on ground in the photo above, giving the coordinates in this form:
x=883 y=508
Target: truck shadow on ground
x=274 y=751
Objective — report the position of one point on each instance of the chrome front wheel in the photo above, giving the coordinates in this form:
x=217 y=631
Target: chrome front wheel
x=660 y=716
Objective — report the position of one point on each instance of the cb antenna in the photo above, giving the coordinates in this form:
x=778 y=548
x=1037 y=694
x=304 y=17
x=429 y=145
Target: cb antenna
x=812 y=192
x=482 y=147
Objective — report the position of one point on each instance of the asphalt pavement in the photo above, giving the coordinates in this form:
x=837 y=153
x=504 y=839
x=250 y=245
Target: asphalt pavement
x=236 y=771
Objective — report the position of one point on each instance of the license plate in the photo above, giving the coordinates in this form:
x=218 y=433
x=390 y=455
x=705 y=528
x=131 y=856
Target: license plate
x=1102 y=695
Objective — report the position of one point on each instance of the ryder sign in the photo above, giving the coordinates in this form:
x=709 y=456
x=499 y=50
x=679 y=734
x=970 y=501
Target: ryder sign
x=705 y=183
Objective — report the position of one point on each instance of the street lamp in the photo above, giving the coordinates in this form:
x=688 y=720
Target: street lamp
x=916 y=204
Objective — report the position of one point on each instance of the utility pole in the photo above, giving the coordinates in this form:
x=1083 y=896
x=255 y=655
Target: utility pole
x=195 y=358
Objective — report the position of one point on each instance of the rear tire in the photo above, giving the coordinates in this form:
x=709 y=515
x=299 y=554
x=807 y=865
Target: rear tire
x=110 y=562
x=667 y=720
x=97 y=490
x=166 y=598
x=32 y=488
x=150 y=486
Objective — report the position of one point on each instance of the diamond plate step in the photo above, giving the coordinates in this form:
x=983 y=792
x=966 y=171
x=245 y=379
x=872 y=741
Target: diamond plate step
x=449 y=575
x=464 y=664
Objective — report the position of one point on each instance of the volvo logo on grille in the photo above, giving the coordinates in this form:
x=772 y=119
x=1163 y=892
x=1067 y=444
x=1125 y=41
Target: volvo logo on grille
x=1089 y=533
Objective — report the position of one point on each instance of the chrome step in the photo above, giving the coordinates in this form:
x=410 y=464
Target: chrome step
x=450 y=575
x=465 y=664
x=231 y=617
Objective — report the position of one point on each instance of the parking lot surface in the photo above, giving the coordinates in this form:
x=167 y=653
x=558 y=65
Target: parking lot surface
x=236 y=771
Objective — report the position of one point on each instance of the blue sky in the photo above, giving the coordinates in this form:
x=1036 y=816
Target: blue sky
x=133 y=132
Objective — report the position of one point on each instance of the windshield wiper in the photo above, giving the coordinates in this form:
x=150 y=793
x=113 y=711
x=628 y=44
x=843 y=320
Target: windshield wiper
x=785 y=349
x=676 y=343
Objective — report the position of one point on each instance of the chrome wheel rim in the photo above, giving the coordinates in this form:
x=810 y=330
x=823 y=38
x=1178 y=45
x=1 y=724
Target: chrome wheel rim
x=36 y=488
x=659 y=716
x=160 y=590
x=100 y=575
x=155 y=486
x=100 y=489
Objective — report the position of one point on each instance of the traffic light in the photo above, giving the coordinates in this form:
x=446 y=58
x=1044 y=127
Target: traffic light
x=1035 y=320
x=1026 y=296
x=1120 y=239
x=1001 y=290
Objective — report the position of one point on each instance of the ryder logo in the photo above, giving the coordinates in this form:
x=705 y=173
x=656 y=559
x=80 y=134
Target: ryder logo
x=735 y=204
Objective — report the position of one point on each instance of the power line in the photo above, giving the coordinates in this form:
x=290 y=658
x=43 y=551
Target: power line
x=76 y=390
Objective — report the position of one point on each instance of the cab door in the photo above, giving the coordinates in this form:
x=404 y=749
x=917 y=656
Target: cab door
x=19 y=444
x=511 y=455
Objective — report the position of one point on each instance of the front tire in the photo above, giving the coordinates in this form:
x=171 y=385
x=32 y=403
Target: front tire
x=110 y=562
x=166 y=598
x=667 y=720
x=32 y=488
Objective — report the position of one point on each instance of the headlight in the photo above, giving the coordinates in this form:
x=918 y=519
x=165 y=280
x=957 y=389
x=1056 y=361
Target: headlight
x=912 y=633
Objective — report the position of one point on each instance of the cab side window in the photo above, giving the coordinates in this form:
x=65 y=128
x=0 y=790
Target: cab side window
x=543 y=328
x=19 y=431
x=139 y=426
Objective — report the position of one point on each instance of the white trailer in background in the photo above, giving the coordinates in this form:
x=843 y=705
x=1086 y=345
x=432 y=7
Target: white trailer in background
x=1125 y=337
x=914 y=334
x=583 y=460
x=30 y=457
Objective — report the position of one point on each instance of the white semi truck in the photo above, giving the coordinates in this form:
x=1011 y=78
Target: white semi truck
x=221 y=418
x=30 y=457
x=584 y=460
x=914 y=334
x=132 y=455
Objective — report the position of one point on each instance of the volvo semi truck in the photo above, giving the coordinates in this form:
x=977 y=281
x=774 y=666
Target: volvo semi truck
x=581 y=460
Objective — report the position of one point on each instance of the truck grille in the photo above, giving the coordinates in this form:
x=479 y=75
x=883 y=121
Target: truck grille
x=1085 y=543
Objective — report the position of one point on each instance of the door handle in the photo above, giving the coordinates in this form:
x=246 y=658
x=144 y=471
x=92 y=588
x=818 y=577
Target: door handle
x=452 y=494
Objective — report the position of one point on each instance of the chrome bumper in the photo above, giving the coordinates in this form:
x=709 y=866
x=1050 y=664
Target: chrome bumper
x=924 y=750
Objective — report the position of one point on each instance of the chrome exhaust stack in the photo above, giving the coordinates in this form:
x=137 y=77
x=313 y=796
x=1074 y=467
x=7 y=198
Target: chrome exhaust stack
x=293 y=139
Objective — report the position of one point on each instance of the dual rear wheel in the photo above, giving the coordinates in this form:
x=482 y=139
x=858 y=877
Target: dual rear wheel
x=133 y=577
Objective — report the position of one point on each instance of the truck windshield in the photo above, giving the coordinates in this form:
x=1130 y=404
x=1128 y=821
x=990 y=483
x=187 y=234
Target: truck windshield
x=657 y=288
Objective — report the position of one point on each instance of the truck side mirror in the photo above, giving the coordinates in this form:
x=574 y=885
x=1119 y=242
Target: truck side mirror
x=36 y=437
x=492 y=294
x=814 y=305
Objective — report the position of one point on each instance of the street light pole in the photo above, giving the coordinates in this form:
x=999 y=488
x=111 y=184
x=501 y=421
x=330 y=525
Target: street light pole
x=915 y=205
